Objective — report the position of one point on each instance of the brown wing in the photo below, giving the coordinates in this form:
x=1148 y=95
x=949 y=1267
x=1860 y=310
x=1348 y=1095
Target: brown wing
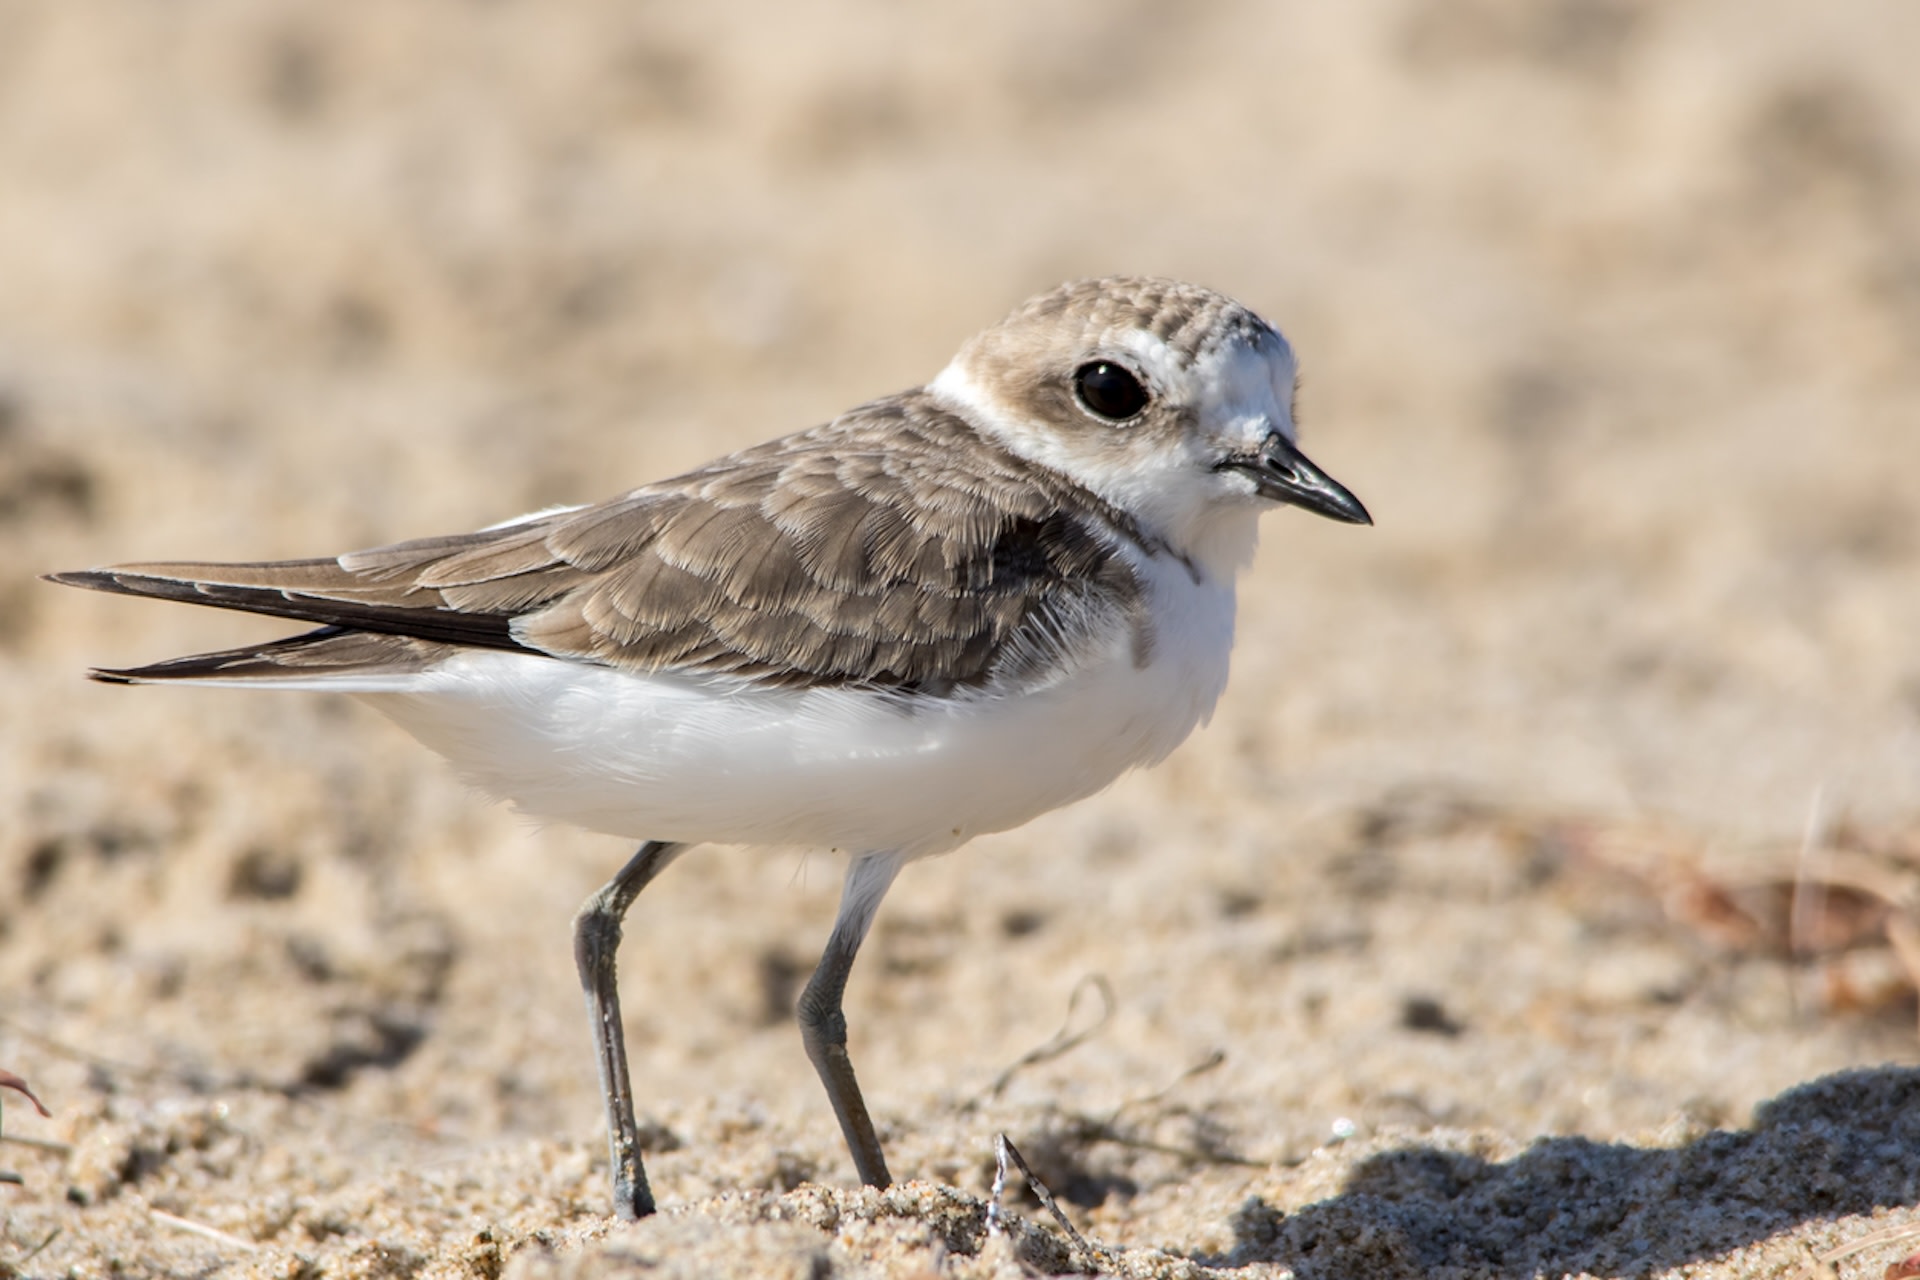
x=894 y=547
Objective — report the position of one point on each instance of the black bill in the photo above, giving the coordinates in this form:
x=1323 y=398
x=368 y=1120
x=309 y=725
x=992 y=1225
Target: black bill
x=1284 y=474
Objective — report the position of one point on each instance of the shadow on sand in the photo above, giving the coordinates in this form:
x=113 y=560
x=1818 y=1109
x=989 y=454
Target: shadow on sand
x=1843 y=1145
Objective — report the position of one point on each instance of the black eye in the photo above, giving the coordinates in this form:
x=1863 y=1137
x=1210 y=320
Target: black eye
x=1109 y=390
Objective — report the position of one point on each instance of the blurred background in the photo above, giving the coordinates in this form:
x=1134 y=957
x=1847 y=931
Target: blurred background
x=1608 y=310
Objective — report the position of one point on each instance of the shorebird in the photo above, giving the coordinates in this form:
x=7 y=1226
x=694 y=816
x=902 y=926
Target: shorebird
x=941 y=614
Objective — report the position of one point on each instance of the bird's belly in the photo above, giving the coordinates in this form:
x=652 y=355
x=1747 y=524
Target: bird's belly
x=670 y=758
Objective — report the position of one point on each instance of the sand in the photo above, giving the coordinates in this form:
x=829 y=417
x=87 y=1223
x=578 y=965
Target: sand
x=1538 y=901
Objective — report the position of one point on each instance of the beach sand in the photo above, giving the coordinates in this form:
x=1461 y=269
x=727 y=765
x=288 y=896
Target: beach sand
x=1537 y=902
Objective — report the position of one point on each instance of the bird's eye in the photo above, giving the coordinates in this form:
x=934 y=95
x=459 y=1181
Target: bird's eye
x=1109 y=390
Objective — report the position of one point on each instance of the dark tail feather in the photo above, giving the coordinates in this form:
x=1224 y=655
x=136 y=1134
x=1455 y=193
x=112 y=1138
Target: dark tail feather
x=331 y=654
x=483 y=630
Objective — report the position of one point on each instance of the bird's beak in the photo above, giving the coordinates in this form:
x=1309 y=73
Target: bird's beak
x=1281 y=473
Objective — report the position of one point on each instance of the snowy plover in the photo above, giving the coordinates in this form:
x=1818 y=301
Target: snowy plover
x=943 y=613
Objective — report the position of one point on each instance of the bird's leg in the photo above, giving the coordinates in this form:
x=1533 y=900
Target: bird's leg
x=823 y=1027
x=596 y=940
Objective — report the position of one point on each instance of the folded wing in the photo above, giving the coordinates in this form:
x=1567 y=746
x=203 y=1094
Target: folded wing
x=893 y=548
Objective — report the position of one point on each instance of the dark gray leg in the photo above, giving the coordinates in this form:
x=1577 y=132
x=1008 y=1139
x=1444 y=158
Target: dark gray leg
x=596 y=940
x=823 y=1027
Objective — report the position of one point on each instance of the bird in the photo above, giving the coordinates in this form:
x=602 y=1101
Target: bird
x=938 y=615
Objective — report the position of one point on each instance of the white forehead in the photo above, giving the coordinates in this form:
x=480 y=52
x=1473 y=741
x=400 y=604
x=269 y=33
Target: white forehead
x=1247 y=370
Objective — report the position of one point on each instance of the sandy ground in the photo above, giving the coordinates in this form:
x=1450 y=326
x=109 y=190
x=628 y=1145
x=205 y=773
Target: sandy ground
x=1537 y=902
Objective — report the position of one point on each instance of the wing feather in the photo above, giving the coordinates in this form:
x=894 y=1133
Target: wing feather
x=836 y=555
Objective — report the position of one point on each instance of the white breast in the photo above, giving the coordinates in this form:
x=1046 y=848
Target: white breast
x=669 y=757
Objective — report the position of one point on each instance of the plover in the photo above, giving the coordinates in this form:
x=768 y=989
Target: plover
x=941 y=614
